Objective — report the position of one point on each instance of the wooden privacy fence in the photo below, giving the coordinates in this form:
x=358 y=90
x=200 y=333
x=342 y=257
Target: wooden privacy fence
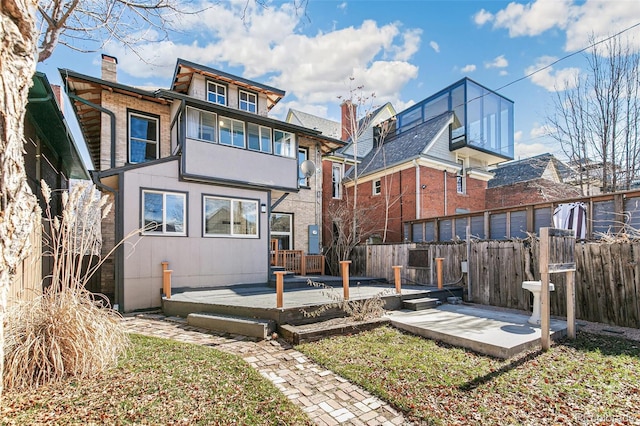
x=607 y=274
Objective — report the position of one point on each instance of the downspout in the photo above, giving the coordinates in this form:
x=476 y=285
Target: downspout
x=418 y=190
x=106 y=111
x=118 y=237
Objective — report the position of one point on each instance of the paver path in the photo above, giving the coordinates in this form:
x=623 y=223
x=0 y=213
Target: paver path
x=327 y=398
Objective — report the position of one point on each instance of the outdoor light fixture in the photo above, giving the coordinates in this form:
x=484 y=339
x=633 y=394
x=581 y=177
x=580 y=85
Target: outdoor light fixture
x=263 y=208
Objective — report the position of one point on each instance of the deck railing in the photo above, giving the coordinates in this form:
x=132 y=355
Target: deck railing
x=297 y=262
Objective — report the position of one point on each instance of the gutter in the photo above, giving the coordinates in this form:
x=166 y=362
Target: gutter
x=106 y=111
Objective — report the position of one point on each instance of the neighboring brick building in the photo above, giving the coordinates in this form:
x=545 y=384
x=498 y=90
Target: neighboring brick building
x=532 y=180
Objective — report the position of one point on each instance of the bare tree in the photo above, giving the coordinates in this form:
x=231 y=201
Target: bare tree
x=595 y=118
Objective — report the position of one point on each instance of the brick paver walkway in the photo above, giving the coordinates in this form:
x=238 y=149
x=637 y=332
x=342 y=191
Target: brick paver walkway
x=327 y=398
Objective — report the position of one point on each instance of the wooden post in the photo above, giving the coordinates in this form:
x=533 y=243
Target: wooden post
x=279 y=287
x=166 y=283
x=571 y=304
x=439 y=261
x=303 y=264
x=345 y=277
x=396 y=276
x=545 y=313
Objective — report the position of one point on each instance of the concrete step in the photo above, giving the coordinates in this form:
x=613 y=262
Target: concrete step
x=251 y=327
x=420 y=304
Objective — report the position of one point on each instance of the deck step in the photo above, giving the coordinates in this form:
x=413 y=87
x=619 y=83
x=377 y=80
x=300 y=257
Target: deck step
x=420 y=304
x=250 y=327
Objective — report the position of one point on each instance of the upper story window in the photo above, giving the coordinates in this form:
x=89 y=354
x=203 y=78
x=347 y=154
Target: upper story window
x=232 y=132
x=461 y=184
x=259 y=137
x=216 y=93
x=336 y=180
x=248 y=101
x=164 y=213
x=143 y=137
x=377 y=187
x=201 y=125
x=228 y=217
x=303 y=155
x=284 y=143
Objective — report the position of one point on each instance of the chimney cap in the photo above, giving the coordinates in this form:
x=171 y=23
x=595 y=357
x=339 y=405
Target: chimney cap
x=110 y=58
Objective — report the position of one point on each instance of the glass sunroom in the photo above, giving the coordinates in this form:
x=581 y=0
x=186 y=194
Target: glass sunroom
x=482 y=124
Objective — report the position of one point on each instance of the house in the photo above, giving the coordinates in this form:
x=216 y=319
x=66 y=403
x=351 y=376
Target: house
x=201 y=173
x=433 y=160
x=50 y=154
x=531 y=180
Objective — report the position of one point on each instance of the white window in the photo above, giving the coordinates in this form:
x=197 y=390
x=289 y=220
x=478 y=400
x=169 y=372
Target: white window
x=248 y=101
x=164 y=213
x=143 y=137
x=201 y=125
x=228 y=217
x=259 y=137
x=336 y=180
x=461 y=178
x=216 y=93
x=377 y=187
x=281 y=227
x=284 y=143
x=232 y=132
x=303 y=155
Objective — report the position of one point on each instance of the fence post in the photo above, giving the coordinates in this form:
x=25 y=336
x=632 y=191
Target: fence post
x=439 y=261
x=345 y=277
x=166 y=283
x=279 y=287
x=545 y=314
x=396 y=276
x=303 y=264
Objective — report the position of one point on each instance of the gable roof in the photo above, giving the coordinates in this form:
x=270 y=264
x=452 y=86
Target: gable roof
x=404 y=147
x=327 y=127
x=184 y=71
x=365 y=144
x=527 y=169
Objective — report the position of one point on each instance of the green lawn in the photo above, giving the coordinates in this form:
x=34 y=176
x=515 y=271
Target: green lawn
x=591 y=380
x=160 y=382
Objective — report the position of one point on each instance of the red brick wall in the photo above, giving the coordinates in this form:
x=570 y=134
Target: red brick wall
x=535 y=191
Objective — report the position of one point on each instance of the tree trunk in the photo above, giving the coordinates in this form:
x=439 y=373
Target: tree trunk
x=17 y=203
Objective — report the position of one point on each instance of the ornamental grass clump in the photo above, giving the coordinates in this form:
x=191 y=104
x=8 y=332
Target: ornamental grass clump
x=67 y=331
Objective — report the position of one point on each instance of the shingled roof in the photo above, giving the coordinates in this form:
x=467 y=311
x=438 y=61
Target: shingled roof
x=404 y=147
x=528 y=169
x=327 y=127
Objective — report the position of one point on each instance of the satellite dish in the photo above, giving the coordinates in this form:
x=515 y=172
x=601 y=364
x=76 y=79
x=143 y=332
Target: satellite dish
x=307 y=168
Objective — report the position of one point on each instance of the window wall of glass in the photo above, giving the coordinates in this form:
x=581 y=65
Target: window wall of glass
x=211 y=127
x=482 y=118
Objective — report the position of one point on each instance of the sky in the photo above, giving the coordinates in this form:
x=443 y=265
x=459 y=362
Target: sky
x=398 y=51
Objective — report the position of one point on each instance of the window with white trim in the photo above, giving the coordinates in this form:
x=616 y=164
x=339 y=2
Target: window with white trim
x=216 y=93
x=461 y=178
x=259 y=137
x=201 y=125
x=143 y=137
x=377 y=187
x=248 y=101
x=230 y=217
x=336 y=180
x=303 y=155
x=232 y=132
x=164 y=213
x=284 y=143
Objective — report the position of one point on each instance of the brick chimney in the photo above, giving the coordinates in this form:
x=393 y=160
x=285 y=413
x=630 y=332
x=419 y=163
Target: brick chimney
x=57 y=92
x=109 y=68
x=349 y=119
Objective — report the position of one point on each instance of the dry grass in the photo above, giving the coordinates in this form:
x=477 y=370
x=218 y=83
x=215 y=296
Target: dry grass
x=67 y=331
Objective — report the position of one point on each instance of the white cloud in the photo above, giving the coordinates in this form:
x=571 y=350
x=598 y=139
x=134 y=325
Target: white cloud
x=468 y=69
x=502 y=73
x=483 y=17
x=498 y=62
x=434 y=46
x=343 y=5
x=550 y=79
x=533 y=18
x=313 y=69
x=527 y=150
x=540 y=130
x=517 y=136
